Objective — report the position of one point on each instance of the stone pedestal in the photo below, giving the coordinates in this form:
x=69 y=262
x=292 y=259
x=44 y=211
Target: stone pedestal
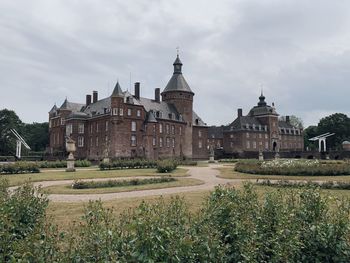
x=277 y=155
x=211 y=159
x=70 y=163
x=261 y=156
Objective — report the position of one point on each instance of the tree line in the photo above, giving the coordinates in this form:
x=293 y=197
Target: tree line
x=35 y=134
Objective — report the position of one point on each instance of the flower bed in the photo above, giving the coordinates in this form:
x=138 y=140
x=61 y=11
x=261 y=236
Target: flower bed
x=293 y=167
x=19 y=168
x=119 y=183
x=324 y=185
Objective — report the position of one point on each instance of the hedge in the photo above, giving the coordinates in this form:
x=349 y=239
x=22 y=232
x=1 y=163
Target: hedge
x=19 y=168
x=128 y=164
x=63 y=164
x=324 y=185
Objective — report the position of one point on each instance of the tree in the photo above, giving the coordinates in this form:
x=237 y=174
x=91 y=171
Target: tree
x=294 y=120
x=8 y=120
x=310 y=132
x=337 y=123
x=36 y=135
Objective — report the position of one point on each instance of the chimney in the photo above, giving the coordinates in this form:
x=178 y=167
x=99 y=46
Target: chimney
x=88 y=100
x=137 y=90
x=287 y=119
x=94 y=96
x=157 y=94
x=239 y=113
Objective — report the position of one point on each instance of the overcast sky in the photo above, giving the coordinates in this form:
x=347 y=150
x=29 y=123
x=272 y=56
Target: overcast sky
x=299 y=51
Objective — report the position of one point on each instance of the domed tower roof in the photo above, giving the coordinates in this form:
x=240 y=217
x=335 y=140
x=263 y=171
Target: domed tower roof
x=262 y=101
x=177 y=81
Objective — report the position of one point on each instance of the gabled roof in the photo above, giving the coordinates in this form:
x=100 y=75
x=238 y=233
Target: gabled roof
x=150 y=117
x=162 y=109
x=53 y=109
x=197 y=121
x=216 y=132
x=241 y=123
x=99 y=107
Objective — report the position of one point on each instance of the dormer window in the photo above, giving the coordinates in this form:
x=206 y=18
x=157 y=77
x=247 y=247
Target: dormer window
x=247 y=126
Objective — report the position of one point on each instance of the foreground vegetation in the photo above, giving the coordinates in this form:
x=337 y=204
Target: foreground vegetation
x=294 y=167
x=232 y=226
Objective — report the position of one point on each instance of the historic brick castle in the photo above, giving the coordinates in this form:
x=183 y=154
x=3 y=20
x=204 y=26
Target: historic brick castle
x=259 y=130
x=127 y=125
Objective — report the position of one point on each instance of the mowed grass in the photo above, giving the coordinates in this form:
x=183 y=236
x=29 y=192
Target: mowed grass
x=229 y=173
x=67 y=189
x=54 y=175
x=66 y=214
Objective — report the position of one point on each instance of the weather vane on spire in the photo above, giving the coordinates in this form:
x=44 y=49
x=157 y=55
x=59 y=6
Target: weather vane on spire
x=177 y=50
x=261 y=89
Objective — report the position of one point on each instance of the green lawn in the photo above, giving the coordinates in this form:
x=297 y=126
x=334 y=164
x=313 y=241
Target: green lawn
x=53 y=175
x=230 y=173
x=67 y=189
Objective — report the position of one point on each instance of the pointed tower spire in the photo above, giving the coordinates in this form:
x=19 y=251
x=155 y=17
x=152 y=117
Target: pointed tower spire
x=117 y=92
x=262 y=101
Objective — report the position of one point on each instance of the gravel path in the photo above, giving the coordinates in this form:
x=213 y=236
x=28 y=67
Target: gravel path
x=206 y=174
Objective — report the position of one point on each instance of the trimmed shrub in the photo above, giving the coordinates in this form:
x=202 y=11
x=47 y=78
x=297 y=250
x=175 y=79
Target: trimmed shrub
x=19 y=168
x=325 y=185
x=63 y=164
x=166 y=166
x=128 y=164
x=119 y=183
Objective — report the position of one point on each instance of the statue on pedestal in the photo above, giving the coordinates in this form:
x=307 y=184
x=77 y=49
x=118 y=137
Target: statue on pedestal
x=211 y=154
x=70 y=148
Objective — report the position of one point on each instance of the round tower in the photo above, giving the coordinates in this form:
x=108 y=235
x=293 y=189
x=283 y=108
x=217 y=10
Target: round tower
x=179 y=93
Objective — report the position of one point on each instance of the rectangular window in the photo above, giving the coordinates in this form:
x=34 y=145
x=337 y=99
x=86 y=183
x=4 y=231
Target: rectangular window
x=154 y=141
x=91 y=127
x=96 y=141
x=172 y=129
x=231 y=136
x=173 y=142
x=62 y=121
x=266 y=145
x=69 y=129
x=138 y=113
x=231 y=144
x=50 y=123
x=199 y=134
x=167 y=129
x=200 y=144
x=167 y=142
x=81 y=128
x=121 y=113
x=260 y=135
x=180 y=130
x=106 y=140
x=133 y=126
x=80 y=141
x=247 y=134
x=133 y=140
x=160 y=128
x=106 y=125
x=154 y=129
x=266 y=136
x=248 y=144
x=115 y=111
x=254 y=144
x=129 y=112
x=91 y=141
x=160 y=142
x=96 y=126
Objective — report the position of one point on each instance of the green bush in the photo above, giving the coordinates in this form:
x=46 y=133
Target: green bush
x=324 y=185
x=293 y=167
x=166 y=166
x=119 y=183
x=128 y=164
x=24 y=234
x=19 y=168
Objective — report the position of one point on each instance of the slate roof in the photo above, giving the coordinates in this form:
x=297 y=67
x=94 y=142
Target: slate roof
x=117 y=92
x=67 y=105
x=177 y=82
x=197 y=121
x=216 y=132
x=161 y=109
x=53 y=109
x=98 y=108
x=284 y=124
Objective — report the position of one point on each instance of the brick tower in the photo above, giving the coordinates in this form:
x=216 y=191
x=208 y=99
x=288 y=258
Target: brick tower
x=178 y=92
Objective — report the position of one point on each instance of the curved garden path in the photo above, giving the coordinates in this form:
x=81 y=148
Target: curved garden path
x=206 y=174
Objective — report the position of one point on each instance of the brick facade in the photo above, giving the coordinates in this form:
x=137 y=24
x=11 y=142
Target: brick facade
x=126 y=126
